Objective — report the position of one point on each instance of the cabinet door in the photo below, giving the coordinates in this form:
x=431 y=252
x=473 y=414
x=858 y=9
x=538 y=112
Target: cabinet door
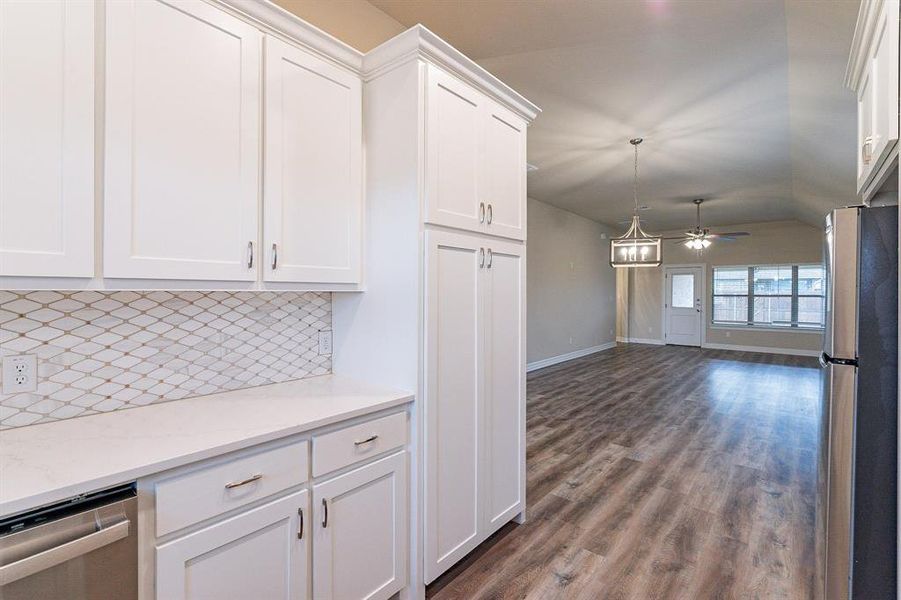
x=182 y=141
x=505 y=387
x=261 y=553
x=47 y=138
x=453 y=154
x=504 y=172
x=312 y=185
x=361 y=547
x=864 y=129
x=454 y=338
x=884 y=69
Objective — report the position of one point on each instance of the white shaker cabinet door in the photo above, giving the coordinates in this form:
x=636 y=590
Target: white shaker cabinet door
x=260 y=553
x=47 y=138
x=504 y=400
x=182 y=142
x=454 y=338
x=360 y=548
x=504 y=172
x=312 y=185
x=453 y=152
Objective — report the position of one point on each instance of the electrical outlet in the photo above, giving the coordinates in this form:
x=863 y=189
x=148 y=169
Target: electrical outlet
x=20 y=373
x=325 y=342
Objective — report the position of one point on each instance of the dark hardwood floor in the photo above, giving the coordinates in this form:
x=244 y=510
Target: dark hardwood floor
x=660 y=472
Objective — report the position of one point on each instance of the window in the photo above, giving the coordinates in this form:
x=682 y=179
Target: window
x=769 y=296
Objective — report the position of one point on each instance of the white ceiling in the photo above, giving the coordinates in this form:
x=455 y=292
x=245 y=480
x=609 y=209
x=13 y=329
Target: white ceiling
x=740 y=102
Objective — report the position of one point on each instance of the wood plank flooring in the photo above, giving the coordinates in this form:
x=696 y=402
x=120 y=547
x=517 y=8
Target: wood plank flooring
x=660 y=472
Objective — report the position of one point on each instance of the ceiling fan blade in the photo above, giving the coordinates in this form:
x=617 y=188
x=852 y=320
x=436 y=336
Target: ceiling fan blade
x=681 y=237
x=728 y=234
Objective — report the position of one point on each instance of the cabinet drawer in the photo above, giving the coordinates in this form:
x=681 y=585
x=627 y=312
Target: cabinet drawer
x=191 y=497
x=332 y=451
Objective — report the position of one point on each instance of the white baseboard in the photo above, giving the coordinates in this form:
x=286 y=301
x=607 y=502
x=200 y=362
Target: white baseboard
x=628 y=340
x=553 y=360
x=763 y=349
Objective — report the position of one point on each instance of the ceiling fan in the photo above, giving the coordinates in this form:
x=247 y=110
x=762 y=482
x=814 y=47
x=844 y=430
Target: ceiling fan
x=699 y=237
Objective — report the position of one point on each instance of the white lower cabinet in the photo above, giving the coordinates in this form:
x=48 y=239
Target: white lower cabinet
x=475 y=393
x=360 y=544
x=253 y=524
x=261 y=553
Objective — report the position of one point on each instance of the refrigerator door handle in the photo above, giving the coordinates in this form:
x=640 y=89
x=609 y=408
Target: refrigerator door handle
x=826 y=360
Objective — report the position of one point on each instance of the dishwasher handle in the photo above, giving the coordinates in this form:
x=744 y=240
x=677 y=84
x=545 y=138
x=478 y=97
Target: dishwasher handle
x=64 y=552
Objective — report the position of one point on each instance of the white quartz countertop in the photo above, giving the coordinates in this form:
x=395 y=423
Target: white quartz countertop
x=43 y=464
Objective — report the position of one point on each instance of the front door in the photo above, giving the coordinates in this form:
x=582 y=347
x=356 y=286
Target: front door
x=683 y=306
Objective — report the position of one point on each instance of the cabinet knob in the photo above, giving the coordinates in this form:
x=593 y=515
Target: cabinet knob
x=274 y=256
x=490 y=214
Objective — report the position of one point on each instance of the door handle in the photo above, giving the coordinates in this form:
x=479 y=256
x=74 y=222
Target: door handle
x=371 y=438
x=490 y=214
x=63 y=553
x=251 y=479
x=481 y=212
x=490 y=258
x=274 y=256
x=481 y=257
x=324 y=513
x=249 y=255
x=300 y=525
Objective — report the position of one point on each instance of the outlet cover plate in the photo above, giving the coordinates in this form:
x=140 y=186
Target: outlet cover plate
x=325 y=343
x=20 y=373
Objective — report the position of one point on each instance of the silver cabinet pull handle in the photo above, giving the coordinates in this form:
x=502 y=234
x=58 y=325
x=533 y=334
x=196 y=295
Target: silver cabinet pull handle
x=300 y=526
x=490 y=257
x=371 y=438
x=490 y=214
x=866 y=150
x=64 y=552
x=251 y=479
x=274 y=256
x=324 y=513
x=481 y=257
x=249 y=255
x=481 y=212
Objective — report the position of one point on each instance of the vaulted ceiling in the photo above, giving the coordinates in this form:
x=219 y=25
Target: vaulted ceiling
x=739 y=102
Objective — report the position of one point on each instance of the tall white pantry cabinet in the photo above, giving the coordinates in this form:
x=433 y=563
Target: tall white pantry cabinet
x=444 y=310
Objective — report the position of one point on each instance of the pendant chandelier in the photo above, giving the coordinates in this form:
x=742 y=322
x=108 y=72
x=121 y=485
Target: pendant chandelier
x=636 y=248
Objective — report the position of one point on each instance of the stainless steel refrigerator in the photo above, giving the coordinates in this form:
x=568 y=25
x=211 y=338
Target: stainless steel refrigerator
x=857 y=479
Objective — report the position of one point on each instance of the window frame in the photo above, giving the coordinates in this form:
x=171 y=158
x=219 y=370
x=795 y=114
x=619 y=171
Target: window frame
x=749 y=322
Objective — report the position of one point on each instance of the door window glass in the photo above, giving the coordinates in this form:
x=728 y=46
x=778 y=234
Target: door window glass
x=683 y=291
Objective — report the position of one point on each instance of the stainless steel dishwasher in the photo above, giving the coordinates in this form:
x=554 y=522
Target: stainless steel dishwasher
x=80 y=549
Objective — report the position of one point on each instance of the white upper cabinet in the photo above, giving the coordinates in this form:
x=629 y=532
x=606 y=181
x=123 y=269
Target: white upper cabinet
x=182 y=142
x=873 y=74
x=453 y=134
x=504 y=172
x=47 y=138
x=312 y=185
x=475 y=160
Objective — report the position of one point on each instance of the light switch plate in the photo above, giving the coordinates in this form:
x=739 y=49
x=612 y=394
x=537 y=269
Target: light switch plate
x=20 y=373
x=325 y=342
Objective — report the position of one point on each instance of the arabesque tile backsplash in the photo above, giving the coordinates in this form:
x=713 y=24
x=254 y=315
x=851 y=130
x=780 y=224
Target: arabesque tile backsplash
x=104 y=351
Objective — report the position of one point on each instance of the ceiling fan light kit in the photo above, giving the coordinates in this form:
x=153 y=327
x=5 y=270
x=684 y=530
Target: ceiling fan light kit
x=636 y=248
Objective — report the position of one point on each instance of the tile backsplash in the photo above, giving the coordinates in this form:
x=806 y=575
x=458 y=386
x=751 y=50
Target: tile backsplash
x=104 y=351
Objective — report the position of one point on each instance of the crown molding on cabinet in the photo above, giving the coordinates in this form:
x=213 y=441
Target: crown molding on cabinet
x=279 y=21
x=863 y=37
x=420 y=43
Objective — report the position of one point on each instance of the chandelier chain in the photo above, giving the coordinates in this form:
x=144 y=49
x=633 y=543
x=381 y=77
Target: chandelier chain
x=635 y=180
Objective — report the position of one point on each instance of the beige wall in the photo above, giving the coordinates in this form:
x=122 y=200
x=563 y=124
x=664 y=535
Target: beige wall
x=640 y=291
x=357 y=23
x=571 y=287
